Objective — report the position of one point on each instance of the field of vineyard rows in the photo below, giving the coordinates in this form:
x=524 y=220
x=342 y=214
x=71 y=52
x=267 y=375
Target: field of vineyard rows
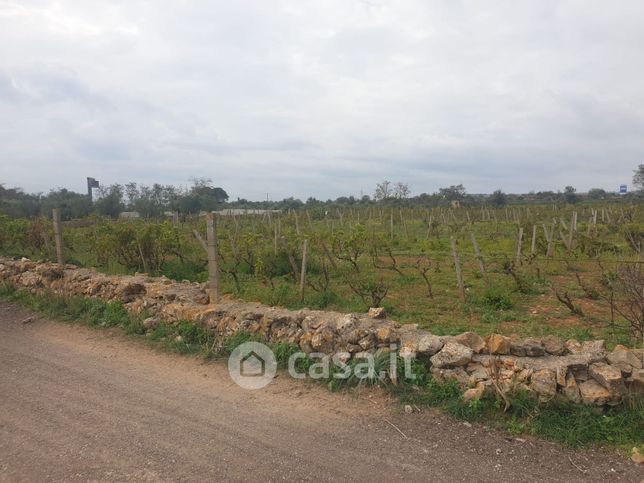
x=575 y=271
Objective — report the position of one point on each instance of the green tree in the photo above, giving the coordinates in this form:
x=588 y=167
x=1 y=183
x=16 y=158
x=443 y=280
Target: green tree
x=453 y=193
x=498 y=198
x=110 y=202
x=638 y=177
x=596 y=193
x=570 y=195
x=383 y=191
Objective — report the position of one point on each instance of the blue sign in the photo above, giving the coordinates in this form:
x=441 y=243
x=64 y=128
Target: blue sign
x=622 y=189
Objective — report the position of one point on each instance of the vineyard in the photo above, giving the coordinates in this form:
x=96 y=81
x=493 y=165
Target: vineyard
x=575 y=271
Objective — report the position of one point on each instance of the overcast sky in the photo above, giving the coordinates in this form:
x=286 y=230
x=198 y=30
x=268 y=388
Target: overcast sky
x=322 y=98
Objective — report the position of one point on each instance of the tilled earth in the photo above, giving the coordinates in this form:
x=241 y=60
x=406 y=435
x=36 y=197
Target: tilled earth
x=83 y=404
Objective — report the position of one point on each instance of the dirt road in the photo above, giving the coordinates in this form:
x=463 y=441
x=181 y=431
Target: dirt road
x=82 y=404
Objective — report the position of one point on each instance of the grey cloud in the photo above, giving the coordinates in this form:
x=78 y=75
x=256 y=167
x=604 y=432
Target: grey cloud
x=322 y=98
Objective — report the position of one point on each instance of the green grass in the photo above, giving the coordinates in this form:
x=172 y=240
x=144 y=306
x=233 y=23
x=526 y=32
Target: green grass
x=569 y=424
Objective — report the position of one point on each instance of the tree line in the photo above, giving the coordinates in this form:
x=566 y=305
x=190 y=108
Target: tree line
x=153 y=201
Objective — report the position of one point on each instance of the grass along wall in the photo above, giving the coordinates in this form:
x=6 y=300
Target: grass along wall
x=546 y=367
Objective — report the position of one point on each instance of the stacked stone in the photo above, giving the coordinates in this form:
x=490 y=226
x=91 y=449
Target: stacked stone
x=547 y=366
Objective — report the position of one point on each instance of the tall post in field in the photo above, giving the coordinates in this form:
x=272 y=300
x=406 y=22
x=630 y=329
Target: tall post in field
x=519 y=242
x=305 y=254
x=533 y=245
x=479 y=259
x=58 y=234
x=459 y=273
x=213 y=267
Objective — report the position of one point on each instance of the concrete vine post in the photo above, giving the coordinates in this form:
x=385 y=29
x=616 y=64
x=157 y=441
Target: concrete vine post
x=58 y=234
x=213 y=266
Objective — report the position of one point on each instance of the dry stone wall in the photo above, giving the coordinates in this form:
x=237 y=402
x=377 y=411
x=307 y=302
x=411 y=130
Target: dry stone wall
x=580 y=372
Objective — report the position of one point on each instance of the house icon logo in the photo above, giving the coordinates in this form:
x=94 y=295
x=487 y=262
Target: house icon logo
x=252 y=365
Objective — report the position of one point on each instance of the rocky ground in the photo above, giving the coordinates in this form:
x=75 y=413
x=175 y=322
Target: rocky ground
x=92 y=405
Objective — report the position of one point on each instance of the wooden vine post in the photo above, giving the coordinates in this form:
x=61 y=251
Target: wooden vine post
x=533 y=245
x=305 y=254
x=519 y=242
x=549 y=239
x=479 y=259
x=58 y=235
x=457 y=267
x=213 y=267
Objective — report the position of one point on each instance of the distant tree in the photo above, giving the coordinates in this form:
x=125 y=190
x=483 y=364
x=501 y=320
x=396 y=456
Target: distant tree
x=596 y=193
x=110 y=202
x=638 y=178
x=131 y=191
x=383 y=191
x=14 y=202
x=453 y=193
x=201 y=196
x=290 y=204
x=546 y=196
x=498 y=198
x=570 y=195
x=401 y=190
x=72 y=205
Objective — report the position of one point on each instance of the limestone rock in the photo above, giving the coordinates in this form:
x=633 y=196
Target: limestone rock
x=636 y=456
x=201 y=298
x=471 y=340
x=497 y=344
x=150 y=323
x=596 y=346
x=580 y=373
x=544 y=383
x=384 y=334
x=345 y=323
x=636 y=381
x=305 y=342
x=474 y=393
x=377 y=313
x=452 y=354
x=429 y=344
x=477 y=372
x=368 y=342
x=572 y=346
x=457 y=374
x=593 y=393
x=561 y=374
x=624 y=359
x=553 y=345
x=571 y=389
x=608 y=376
x=528 y=347
x=130 y=291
